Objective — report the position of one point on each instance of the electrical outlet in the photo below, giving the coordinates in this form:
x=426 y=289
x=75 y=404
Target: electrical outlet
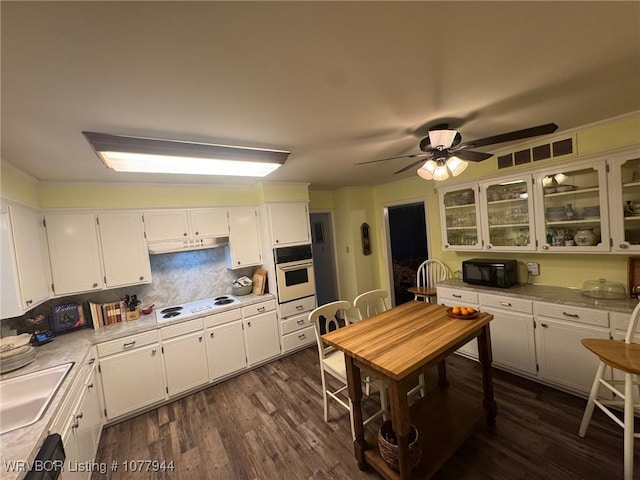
x=533 y=268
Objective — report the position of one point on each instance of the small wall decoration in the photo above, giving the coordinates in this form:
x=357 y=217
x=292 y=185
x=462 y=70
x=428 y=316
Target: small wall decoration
x=366 y=241
x=67 y=317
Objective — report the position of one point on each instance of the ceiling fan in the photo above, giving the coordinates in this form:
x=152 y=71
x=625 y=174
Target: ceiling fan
x=442 y=150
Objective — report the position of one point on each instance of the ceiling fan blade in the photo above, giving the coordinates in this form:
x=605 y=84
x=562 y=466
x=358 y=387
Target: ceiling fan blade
x=472 y=156
x=511 y=136
x=409 y=167
x=414 y=155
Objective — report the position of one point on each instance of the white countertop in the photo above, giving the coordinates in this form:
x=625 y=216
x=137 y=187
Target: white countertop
x=22 y=445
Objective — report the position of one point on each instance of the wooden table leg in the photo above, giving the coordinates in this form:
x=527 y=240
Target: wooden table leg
x=486 y=357
x=401 y=425
x=354 y=385
x=443 y=383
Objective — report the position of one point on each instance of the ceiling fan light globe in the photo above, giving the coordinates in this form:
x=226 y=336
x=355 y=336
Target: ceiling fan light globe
x=441 y=173
x=426 y=171
x=560 y=178
x=425 y=174
x=547 y=181
x=442 y=138
x=456 y=166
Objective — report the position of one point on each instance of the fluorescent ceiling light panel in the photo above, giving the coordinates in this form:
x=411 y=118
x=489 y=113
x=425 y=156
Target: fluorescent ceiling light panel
x=149 y=155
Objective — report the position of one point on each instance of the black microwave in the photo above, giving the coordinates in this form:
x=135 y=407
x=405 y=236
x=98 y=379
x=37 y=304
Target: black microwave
x=491 y=273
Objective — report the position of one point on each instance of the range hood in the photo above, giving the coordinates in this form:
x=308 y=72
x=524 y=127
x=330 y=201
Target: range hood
x=175 y=246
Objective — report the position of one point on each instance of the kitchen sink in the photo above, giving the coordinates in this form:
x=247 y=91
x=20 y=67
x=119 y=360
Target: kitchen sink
x=24 y=399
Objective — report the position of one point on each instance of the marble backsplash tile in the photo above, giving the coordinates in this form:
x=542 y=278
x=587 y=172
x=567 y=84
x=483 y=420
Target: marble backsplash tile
x=177 y=278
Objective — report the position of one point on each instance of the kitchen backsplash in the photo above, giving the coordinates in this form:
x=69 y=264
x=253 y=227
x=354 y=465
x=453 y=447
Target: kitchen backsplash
x=177 y=278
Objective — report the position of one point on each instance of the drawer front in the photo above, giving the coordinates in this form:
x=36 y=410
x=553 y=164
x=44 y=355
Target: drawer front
x=181 y=328
x=620 y=321
x=573 y=314
x=298 y=339
x=297 y=306
x=506 y=303
x=292 y=324
x=223 y=317
x=258 y=308
x=128 y=343
x=459 y=297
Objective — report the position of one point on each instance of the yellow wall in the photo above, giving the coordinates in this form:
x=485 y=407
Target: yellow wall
x=18 y=187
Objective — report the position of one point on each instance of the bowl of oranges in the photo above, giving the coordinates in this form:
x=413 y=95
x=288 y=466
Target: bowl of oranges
x=465 y=313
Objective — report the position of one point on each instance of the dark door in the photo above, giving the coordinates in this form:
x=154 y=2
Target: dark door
x=323 y=258
x=408 y=232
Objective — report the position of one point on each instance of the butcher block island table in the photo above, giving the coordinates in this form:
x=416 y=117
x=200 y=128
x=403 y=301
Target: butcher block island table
x=396 y=346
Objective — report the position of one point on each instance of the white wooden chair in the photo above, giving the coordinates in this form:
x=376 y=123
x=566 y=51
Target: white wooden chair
x=374 y=302
x=622 y=357
x=429 y=273
x=332 y=361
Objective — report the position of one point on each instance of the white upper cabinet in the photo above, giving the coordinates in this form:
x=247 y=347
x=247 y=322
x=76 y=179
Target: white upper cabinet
x=74 y=252
x=244 y=238
x=572 y=208
x=126 y=261
x=507 y=213
x=624 y=194
x=30 y=252
x=161 y=225
x=288 y=223
x=209 y=222
x=460 y=217
x=167 y=225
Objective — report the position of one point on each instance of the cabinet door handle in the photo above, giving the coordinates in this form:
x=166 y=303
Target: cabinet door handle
x=506 y=304
x=200 y=338
x=184 y=234
x=91 y=361
x=544 y=325
x=623 y=245
x=300 y=322
x=302 y=336
x=90 y=386
x=488 y=247
x=248 y=324
x=572 y=315
x=129 y=344
x=29 y=302
x=455 y=295
x=95 y=285
x=211 y=334
x=79 y=416
x=141 y=278
x=153 y=351
x=299 y=307
x=545 y=247
x=197 y=233
x=261 y=309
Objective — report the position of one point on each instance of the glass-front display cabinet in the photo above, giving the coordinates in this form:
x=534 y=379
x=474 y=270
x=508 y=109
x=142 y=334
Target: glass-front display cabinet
x=624 y=194
x=460 y=215
x=571 y=208
x=507 y=213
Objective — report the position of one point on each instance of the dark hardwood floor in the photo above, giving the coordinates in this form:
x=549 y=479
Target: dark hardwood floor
x=267 y=424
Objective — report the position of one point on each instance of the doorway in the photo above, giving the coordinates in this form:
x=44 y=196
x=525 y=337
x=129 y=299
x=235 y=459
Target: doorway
x=324 y=262
x=407 y=235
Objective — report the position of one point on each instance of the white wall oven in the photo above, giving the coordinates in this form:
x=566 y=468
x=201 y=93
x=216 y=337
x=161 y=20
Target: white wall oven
x=294 y=273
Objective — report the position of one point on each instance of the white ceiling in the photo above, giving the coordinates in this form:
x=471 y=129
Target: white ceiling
x=335 y=83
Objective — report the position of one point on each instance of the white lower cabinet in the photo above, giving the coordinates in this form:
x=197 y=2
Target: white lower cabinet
x=512 y=332
x=79 y=421
x=132 y=373
x=296 y=329
x=261 y=336
x=225 y=343
x=185 y=356
x=562 y=359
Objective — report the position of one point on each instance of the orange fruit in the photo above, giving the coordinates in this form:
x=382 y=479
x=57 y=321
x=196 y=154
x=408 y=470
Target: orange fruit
x=471 y=310
x=455 y=310
x=464 y=311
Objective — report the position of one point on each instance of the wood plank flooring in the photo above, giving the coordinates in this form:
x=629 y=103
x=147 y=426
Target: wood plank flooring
x=267 y=424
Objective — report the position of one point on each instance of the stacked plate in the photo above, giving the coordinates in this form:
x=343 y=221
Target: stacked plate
x=556 y=214
x=15 y=352
x=591 y=212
